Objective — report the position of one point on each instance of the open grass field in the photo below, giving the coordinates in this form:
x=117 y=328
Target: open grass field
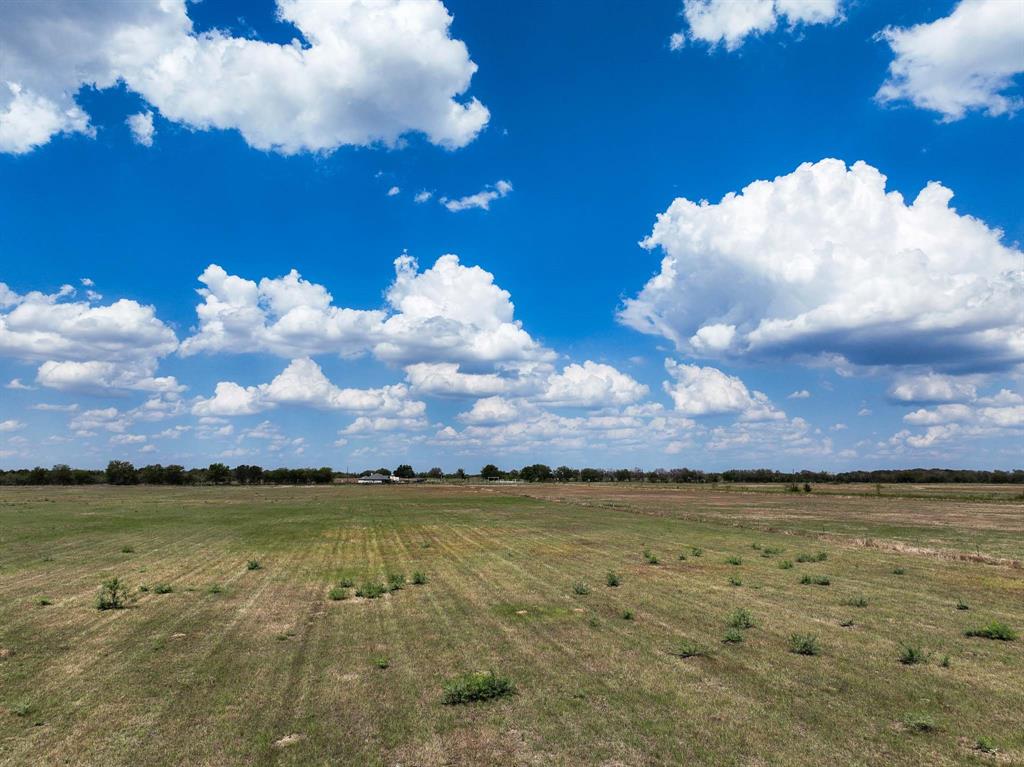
x=232 y=665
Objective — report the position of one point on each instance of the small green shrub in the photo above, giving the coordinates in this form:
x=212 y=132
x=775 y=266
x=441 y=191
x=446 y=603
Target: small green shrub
x=163 y=588
x=741 y=619
x=44 y=602
x=769 y=551
x=418 y=578
x=732 y=636
x=216 y=588
x=113 y=595
x=734 y=581
x=856 y=602
x=253 y=564
x=697 y=551
x=612 y=579
x=652 y=559
x=945 y=661
x=627 y=615
x=993 y=630
x=815 y=580
x=337 y=593
x=475 y=687
x=579 y=587
x=127 y=550
x=371 y=590
x=899 y=571
x=919 y=722
x=682 y=556
x=847 y=623
x=396 y=581
x=962 y=605
x=985 y=745
x=143 y=588
x=755 y=546
x=911 y=655
x=733 y=561
x=804 y=644
x=593 y=622
x=689 y=649
x=22 y=708
x=821 y=556
x=785 y=564
x=381 y=663
x=346 y=583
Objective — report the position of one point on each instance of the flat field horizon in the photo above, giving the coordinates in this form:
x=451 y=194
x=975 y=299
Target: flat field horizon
x=748 y=626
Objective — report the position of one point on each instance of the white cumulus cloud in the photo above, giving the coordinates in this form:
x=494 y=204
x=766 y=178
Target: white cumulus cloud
x=362 y=72
x=141 y=126
x=962 y=62
x=730 y=22
x=698 y=391
x=481 y=199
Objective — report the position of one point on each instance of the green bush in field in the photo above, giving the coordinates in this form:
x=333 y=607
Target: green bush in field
x=689 y=649
x=371 y=590
x=697 y=551
x=846 y=623
x=821 y=556
x=815 y=580
x=985 y=745
x=804 y=644
x=682 y=556
x=911 y=655
x=741 y=619
x=337 y=593
x=44 y=602
x=627 y=615
x=919 y=722
x=381 y=663
x=612 y=579
x=993 y=630
x=475 y=687
x=580 y=588
x=652 y=559
x=396 y=581
x=733 y=561
x=163 y=588
x=418 y=578
x=113 y=595
x=785 y=564
x=734 y=581
x=127 y=550
x=899 y=571
x=962 y=605
x=346 y=583
x=732 y=636
x=856 y=602
x=769 y=551
x=22 y=708
x=253 y=564
x=215 y=588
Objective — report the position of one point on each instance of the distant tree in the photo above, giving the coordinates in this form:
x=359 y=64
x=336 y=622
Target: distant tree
x=566 y=474
x=623 y=475
x=39 y=476
x=218 y=474
x=152 y=475
x=174 y=474
x=322 y=476
x=404 y=471
x=460 y=473
x=591 y=475
x=122 y=473
x=248 y=475
x=436 y=473
x=61 y=474
x=490 y=471
x=537 y=472
x=382 y=470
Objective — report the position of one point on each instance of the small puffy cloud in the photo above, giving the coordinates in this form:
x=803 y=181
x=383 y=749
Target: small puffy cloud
x=730 y=22
x=933 y=387
x=447 y=313
x=481 y=199
x=85 y=346
x=960 y=63
x=304 y=383
x=422 y=196
x=394 y=191
x=11 y=425
x=824 y=262
x=360 y=74
x=16 y=385
x=800 y=394
x=446 y=379
x=700 y=391
x=47 y=407
x=141 y=126
x=592 y=384
x=491 y=410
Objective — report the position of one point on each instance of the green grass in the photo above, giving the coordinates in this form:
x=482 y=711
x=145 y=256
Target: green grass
x=190 y=678
x=479 y=686
x=993 y=630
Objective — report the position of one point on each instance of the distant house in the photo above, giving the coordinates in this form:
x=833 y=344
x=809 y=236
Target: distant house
x=374 y=479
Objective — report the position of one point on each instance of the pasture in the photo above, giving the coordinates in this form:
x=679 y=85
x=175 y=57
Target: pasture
x=748 y=626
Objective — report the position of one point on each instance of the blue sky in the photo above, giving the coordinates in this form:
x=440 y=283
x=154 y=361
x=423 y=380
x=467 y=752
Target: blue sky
x=813 y=320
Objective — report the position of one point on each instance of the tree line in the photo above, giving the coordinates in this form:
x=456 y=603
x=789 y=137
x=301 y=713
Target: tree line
x=125 y=473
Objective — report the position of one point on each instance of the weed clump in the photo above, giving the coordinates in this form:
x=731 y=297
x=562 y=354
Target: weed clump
x=475 y=687
x=216 y=588
x=804 y=644
x=127 y=550
x=856 y=602
x=769 y=551
x=652 y=559
x=689 y=649
x=371 y=590
x=627 y=615
x=732 y=636
x=580 y=588
x=821 y=556
x=418 y=578
x=613 y=579
x=899 y=571
x=253 y=564
x=919 y=723
x=44 y=602
x=381 y=663
x=962 y=605
x=786 y=564
x=846 y=623
x=741 y=619
x=113 y=595
x=682 y=556
x=985 y=745
x=815 y=580
x=337 y=593
x=734 y=581
x=396 y=581
x=346 y=583
x=163 y=588
x=993 y=630
x=733 y=561
x=697 y=551
x=910 y=655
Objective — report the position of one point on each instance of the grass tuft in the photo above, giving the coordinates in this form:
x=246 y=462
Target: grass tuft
x=919 y=722
x=962 y=605
x=804 y=644
x=613 y=579
x=856 y=602
x=418 y=578
x=689 y=649
x=627 y=615
x=346 y=583
x=985 y=745
x=993 y=630
x=216 y=588
x=163 y=588
x=899 y=571
x=733 y=561
x=815 y=580
x=697 y=551
x=741 y=619
x=371 y=590
x=911 y=655
x=732 y=636
x=44 y=601
x=381 y=663
x=338 y=593
x=821 y=556
x=581 y=588
x=734 y=581
x=127 y=550
x=396 y=581
x=478 y=686
x=253 y=564
x=786 y=564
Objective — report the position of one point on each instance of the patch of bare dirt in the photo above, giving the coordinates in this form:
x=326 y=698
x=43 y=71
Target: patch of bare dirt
x=5 y=653
x=288 y=740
